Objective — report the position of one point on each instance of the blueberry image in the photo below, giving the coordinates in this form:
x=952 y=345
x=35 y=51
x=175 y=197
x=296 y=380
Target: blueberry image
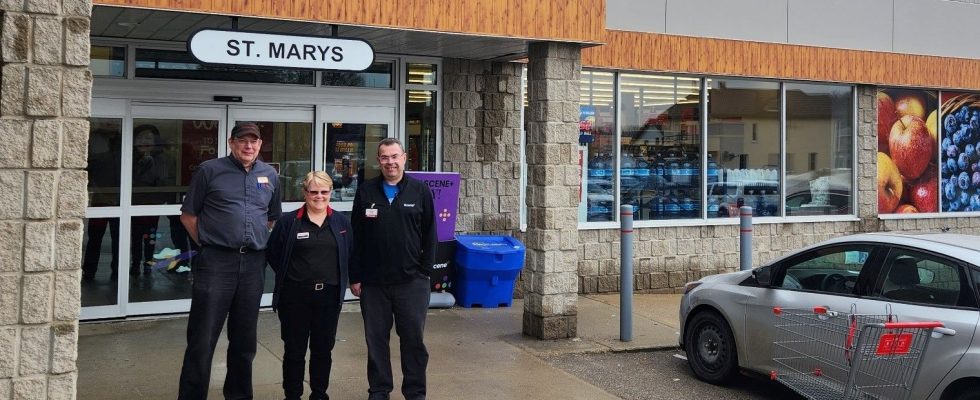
x=968 y=134
x=958 y=137
x=975 y=167
x=952 y=151
x=964 y=199
x=975 y=202
x=951 y=165
x=954 y=205
x=946 y=142
x=975 y=180
x=945 y=170
x=963 y=162
x=963 y=181
x=963 y=114
x=975 y=122
x=970 y=151
x=950 y=190
x=950 y=123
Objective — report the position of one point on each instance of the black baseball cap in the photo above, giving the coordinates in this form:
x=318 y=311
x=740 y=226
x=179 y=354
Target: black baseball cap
x=245 y=129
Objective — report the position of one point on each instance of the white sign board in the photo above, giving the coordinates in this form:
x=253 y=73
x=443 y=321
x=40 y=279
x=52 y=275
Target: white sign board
x=215 y=46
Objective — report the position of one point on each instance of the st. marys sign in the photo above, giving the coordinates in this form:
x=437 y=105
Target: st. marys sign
x=215 y=46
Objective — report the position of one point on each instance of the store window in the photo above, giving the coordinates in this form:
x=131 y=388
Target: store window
x=420 y=129
x=104 y=159
x=178 y=64
x=597 y=150
x=378 y=75
x=108 y=61
x=351 y=155
x=660 y=153
x=421 y=74
x=744 y=141
x=288 y=147
x=166 y=152
x=819 y=149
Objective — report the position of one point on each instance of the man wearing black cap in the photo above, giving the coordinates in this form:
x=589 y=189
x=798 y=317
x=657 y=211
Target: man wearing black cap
x=228 y=210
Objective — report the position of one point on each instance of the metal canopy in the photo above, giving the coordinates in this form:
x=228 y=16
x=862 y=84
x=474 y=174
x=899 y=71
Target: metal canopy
x=172 y=26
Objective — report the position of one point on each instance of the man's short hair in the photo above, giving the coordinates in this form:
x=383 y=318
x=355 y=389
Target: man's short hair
x=390 y=141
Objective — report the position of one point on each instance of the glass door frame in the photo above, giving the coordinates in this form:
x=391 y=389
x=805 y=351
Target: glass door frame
x=353 y=115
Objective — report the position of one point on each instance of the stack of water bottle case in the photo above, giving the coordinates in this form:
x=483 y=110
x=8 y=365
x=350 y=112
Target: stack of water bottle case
x=668 y=186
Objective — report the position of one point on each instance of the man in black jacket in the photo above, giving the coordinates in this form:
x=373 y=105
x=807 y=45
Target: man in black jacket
x=394 y=248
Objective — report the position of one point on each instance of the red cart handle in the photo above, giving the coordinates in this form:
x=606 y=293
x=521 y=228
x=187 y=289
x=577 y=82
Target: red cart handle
x=913 y=325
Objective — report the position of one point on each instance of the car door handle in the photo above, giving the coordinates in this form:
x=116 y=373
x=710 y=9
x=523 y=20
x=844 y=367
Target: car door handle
x=936 y=332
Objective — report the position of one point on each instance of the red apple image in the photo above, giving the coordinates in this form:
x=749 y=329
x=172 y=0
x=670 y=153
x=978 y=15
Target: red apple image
x=886 y=118
x=910 y=105
x=925 y=195
x=911 y=146
x=889 y=184
x=906 y=209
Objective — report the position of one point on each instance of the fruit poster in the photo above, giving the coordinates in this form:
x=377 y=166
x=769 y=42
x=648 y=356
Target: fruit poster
x=958 y=152
x=908 y=172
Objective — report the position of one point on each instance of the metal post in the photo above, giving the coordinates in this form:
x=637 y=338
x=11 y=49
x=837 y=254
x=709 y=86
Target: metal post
x=745 y=238
x=626 y=273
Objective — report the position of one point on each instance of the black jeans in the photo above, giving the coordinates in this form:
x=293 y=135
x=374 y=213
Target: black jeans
x=93 y=249
x=307 y=316
x=404 y=304
x=226 y=284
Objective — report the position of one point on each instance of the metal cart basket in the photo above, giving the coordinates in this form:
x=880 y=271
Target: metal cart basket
x=824 y=354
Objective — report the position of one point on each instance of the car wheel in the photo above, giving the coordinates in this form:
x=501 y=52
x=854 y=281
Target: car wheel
x=962 y=393
x=710 y=348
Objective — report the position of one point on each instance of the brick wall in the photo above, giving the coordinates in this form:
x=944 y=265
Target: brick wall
x=44 y=110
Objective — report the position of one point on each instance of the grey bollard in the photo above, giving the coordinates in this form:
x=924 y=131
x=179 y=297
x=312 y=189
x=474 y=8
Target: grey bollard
x=745 y=238
x=626 y=273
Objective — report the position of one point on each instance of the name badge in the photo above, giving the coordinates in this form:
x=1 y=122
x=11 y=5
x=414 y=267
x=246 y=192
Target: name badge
x=263 y=179
x=303 y=235
x=371 y=212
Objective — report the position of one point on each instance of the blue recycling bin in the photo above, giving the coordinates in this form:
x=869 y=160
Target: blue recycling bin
x=486 y=268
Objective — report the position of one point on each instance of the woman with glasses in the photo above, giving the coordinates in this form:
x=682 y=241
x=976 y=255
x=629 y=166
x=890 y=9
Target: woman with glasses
x=309 y=250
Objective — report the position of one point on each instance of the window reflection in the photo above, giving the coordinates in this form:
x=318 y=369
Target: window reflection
x=420 y=127
x=596 y=125
x=100 y=264
x=288 y=147
x=161 y=258
x=819 y=137
x=743 y=140
x=107 y=61
x=351 y=156
x=165 y=155
x=104 y=153
x=660 y=158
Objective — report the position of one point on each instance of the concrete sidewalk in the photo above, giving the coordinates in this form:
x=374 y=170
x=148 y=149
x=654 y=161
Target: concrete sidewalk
x=473 y=353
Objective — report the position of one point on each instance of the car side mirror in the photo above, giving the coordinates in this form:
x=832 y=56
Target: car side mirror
x=763 y=276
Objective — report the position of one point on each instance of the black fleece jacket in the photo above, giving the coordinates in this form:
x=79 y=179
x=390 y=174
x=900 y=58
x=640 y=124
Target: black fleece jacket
x=396 y=243
x=284 y=236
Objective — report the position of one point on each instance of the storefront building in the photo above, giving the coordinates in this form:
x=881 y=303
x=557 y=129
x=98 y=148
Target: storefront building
x=827 y=118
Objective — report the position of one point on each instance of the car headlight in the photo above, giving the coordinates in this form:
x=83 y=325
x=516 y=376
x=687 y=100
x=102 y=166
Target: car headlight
x=688 y=287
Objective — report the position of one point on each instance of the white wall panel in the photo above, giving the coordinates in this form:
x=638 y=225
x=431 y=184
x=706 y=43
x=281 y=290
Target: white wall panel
x=937 y=27
x=759 y=20
x=637 y=15
x=931 y=27
x=846 y=24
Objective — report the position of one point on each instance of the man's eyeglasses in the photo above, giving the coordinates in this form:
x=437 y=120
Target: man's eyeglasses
x=250 y=142
x=318 y=192
x=389 y=158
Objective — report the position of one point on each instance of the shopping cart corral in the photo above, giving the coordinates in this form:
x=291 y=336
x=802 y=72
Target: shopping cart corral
x=826 y=354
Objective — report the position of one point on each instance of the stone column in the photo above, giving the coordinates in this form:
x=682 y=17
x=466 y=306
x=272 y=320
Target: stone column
x=481 y=139
x=551 y=279
x=44 y=108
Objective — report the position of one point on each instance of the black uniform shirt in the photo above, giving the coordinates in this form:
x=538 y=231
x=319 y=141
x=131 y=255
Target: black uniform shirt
x=314 y=257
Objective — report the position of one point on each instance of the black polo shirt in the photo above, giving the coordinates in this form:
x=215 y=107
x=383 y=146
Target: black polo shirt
x=314 y=256
x=233 y=206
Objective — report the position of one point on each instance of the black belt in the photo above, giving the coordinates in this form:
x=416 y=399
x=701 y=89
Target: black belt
x=240 y=250
x=305 y=285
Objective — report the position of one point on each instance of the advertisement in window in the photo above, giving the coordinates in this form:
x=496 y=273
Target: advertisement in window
x=907 y=156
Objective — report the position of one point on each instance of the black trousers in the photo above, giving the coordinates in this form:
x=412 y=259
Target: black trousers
x=308 y=317
x=404 y=304
x=226 y=284
x=93 y=249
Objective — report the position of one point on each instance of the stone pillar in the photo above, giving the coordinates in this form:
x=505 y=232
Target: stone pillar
x=44 y=108
x=481 y=139
x=866 y=163
x=550 y=276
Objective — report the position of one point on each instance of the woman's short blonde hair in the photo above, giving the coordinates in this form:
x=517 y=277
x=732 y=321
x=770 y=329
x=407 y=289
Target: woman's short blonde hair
x=319 y=178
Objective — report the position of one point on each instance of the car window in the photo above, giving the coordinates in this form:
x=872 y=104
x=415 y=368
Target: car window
x=829 y=270
x=925 y=279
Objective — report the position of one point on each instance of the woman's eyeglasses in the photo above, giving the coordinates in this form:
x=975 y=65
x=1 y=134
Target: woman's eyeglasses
x=316 y=192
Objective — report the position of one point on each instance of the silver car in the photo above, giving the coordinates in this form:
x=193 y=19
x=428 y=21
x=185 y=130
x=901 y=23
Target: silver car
x=727 y=319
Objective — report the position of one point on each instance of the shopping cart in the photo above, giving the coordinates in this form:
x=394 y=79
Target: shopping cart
x=825 y=354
